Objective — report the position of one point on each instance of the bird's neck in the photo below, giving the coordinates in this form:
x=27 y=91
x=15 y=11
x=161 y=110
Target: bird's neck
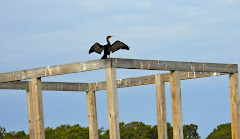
x=108 y=41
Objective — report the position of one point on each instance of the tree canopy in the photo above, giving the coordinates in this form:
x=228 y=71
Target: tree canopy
x=2 y=132
x=222 y=131
x=133 y=130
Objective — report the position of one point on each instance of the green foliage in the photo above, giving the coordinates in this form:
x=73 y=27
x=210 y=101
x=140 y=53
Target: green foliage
x=49 y=133
x=67 y=132
x=103 y=134
x=154 y=131
x=2 y=132
x=14 y=135
x=190 y=132
x=169 y=131
x=138 y=130
x=133 y=130
x=223 y=131
x=77 y=132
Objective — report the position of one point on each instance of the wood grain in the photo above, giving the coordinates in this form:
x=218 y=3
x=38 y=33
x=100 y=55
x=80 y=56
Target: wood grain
x=37 y=108
x=97 y=86
x=173 y=65
x=176 y=105
x=234 y=103
x=54 y=70
x=50 y=86
x=161 y=107
x=113 y=114
x=117 y=63
x=150 y=79
x=30 y=112
x=92 y=113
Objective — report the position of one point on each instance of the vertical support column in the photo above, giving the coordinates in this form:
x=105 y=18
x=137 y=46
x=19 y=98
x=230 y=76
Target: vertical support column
x=161 y=107
x=234 y=102
x=92 y=113
x=30 y=111
x=113 y=114
x=36 y=88
x=176 y=105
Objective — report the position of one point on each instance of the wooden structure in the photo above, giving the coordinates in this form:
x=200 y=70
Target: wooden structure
x=178 y=71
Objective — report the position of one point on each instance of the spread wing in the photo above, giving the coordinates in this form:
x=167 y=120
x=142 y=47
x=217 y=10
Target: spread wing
x=98 y=48
x=118 y=45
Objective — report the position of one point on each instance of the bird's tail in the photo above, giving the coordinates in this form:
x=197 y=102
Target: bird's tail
x=104 y=57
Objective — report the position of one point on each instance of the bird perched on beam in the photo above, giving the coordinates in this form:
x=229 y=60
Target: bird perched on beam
x=98 y=48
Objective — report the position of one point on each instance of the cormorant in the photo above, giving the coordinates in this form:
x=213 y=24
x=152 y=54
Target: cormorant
x=98 y=48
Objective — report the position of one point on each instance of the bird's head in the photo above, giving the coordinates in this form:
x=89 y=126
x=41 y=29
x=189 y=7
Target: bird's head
x=108 y=37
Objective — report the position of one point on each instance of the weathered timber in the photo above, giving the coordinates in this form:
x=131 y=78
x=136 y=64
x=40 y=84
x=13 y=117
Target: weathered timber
x=161 y=107
x=150 y=79
x=117 y=63
x=173 y=65
x=92 y=113
x=51 y=86
x=54 y=70
x=176 y=105
x=30 y=112
x=193 y=75
x=234 y=104
x=128 y=82
x=112 y=96
x=15 y=85
x=37 y=108
x=179 y=71
x=64 y=86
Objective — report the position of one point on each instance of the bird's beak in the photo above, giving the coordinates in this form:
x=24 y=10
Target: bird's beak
x=111 y=36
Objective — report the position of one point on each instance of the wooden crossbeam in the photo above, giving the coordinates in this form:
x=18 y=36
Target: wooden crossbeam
x=150 y=79
x=173 y=65
x=117 y=63
x=51 y=86
x=54 y=70
x=97 y=86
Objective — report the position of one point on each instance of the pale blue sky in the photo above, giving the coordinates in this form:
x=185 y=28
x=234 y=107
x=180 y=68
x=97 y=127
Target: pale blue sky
x=43 y=33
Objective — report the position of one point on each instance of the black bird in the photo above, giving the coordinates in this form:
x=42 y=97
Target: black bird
x=98 y=48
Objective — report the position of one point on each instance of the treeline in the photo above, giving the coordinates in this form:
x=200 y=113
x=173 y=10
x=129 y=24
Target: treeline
x=133 y=130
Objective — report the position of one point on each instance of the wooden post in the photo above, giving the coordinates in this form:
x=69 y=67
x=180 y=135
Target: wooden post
x=92 y=113
x=37 y=108
x=235 y=108
x=161 y=107
x=176 y=105
x=113 y=114
x=30 y=111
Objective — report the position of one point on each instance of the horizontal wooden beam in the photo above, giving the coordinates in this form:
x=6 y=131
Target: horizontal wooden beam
x=150 y=79
x=53 y=86
x=173 y=65
x=117 y=63
x=54 y=70
x=97 y=86
x=192 y=75
x=128 y=82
